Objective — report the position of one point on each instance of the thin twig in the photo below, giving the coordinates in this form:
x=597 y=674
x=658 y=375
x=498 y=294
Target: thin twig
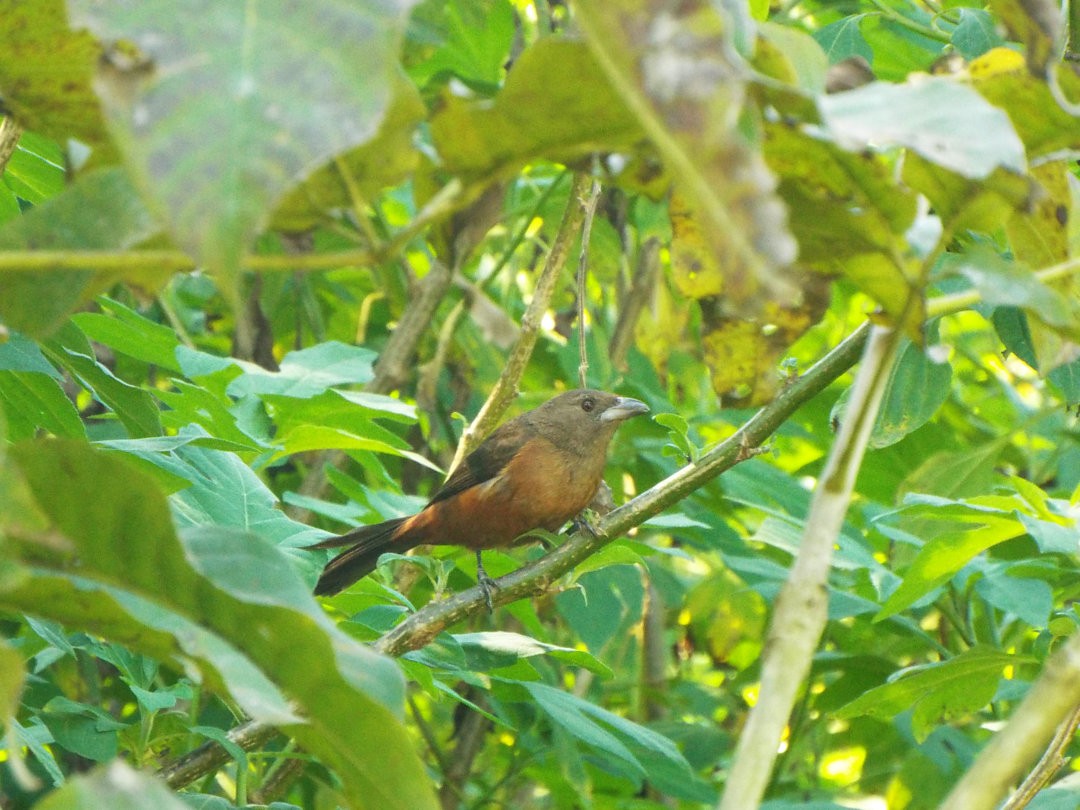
x=10 y=132
x=633 y=303
x=583 y=265
x=505 y=388
x=1052 y=761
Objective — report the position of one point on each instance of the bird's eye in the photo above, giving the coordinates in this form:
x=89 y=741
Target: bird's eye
x=588 y=404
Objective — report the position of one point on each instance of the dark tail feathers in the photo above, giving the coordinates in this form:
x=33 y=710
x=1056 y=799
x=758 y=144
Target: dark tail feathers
x=366 y=544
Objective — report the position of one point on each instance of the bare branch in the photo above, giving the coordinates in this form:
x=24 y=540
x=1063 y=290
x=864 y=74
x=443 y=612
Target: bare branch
x=801 y=609
x=1049 y=763
x=999 y=765
x=10 y=132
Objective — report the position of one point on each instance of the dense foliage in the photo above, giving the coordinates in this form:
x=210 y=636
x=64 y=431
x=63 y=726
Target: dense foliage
x=261 y=265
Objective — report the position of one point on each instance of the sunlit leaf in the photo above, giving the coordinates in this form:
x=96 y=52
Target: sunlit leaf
x=937 y=692
x=934 y=118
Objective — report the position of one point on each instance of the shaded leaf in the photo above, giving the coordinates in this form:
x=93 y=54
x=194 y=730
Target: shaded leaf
x=917 y=386
x=281 y=91
x=505 y=647
x=99 y=211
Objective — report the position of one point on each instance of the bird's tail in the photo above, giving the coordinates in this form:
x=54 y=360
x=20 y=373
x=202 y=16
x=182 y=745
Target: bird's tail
x=365 y=545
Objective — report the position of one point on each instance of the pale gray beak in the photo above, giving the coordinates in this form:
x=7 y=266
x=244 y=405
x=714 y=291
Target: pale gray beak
x=624 y=408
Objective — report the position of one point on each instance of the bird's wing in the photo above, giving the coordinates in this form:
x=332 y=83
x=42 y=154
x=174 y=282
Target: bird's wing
x=486 y=461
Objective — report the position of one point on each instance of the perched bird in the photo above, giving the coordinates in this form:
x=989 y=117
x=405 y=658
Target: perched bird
x=536 y=471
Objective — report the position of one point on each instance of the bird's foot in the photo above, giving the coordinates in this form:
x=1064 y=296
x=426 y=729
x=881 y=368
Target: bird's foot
x=581 y=523
x=486 y=584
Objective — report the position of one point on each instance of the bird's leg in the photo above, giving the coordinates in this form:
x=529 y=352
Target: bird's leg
x=486 y=584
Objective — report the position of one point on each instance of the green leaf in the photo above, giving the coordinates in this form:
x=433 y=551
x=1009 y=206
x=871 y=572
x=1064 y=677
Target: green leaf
x=937 y=692
x=916 y=388
x=99 y=211
x=956 y=474
x=36 y=169
x=128 y=332
x=844 y=39
x=32 y=402
x=1066 y=378
x=1004 y=283
x=975 y=34
x=475 y=39
x=501 y=646
x=1029 y=599
x=134 y=407
x=282 y=87
x=613 y=735
x=946 y=554
x=116 y=786
x=350 y=697
x=557 y=103
x=79 y=729
x=307 y=372
x=934 y=118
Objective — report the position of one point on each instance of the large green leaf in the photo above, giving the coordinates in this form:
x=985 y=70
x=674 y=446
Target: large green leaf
x=936 y=692
x=236 y=585
x=116 y=786
x=640 y=751
x=916 y=388
x=977 y=529
x=235 y=101
x=100 y=211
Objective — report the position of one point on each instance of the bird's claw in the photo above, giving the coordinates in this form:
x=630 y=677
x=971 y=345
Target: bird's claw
x=486 y=584
x=582 y=523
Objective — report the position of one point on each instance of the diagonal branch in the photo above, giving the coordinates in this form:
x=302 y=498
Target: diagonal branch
x=536 y=577
x=428 y=622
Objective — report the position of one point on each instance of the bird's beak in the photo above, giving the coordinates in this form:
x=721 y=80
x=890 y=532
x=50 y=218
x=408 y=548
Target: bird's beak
x=624 y=408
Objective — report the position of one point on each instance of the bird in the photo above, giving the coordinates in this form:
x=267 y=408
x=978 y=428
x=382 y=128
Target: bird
x=536 y=471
